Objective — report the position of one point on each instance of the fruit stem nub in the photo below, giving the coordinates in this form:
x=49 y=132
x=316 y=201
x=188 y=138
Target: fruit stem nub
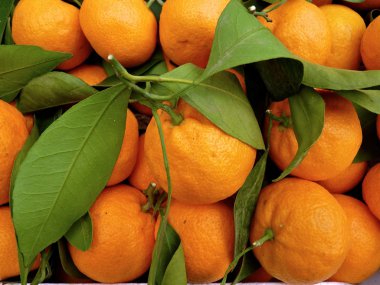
x=176 y=118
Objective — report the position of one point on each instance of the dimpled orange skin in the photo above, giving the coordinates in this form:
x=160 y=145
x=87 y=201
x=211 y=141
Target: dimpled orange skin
x=187 y=29
x=128 y=154
x=311 y=232
x=90 y=73
x=363 y=258
x=333 y=151
x=371 y=189
x=141 y=175
x=9 y=266
x=307 y=35
x=347 y=179
x=123 y=237
x=207 y=237
x=370 y=46
x=125 y=29
x=13 y=134
x=348 y=28
x=206 y=164
x=52 y=25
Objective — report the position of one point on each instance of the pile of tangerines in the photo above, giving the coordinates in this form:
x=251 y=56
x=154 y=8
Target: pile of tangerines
x=313 y=231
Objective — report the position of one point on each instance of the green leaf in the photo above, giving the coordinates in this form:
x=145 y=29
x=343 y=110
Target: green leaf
x=249 y=265
x=176 y=271
x=281 y=77
x=20 y=64
x=8 y=40
x=368 y=99
x=307 y=113
x=44 y=270
x=156 y=9
x=245 y=204
x=320 y=76
x=32 y=138
x=219 y=98
x=67 y=262
x=241 y=39
x=67 y=168
x=46 y=117
x=80 y=233
x=5 y=10
x=369 y=150
x=156 y=58
x=163 y=253
x=51 y=90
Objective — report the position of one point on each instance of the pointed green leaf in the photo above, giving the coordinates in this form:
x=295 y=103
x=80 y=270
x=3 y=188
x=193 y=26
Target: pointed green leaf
x=307 y=113
x=368 y=99
x=51 y=90
x=219 y=98
x=163 y=253
x=176 y=271
x=80 y=233
x=67 y=168
x=67 y=262
x=241 y=39
x=245 y=204
x=20 y=64
x=369 y=150
x=5 y=10
x=320 y=76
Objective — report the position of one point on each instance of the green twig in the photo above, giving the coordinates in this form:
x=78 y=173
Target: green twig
x=164 y=220
x=122 y=72
x=268 y=235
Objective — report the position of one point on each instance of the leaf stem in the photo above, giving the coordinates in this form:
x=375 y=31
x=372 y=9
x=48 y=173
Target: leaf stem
x=268 y=235
x=164 y=221
x=176 y=118
x=284 y=120
x=122 y=72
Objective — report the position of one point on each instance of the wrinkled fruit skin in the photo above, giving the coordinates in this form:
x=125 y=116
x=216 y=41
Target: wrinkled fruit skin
x=206 y=164
x=311 y=231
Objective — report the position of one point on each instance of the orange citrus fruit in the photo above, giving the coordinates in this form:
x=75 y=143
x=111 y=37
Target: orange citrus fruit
x=370 y=45
x=363 y=258
x=141 y=176
x=347 y=179
x=206 y=164
x=371 y=189
x=302 y=28
x=207 y=237
x=348 y=28
x=260 y=275
x=52 y=25
x=9 y=266
x=125 y=29
x=123 y=237
x=13 y=134
x=128 y=154
x=90 y=73
x=311 y=231
x=187 y=29
x=333 y=151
